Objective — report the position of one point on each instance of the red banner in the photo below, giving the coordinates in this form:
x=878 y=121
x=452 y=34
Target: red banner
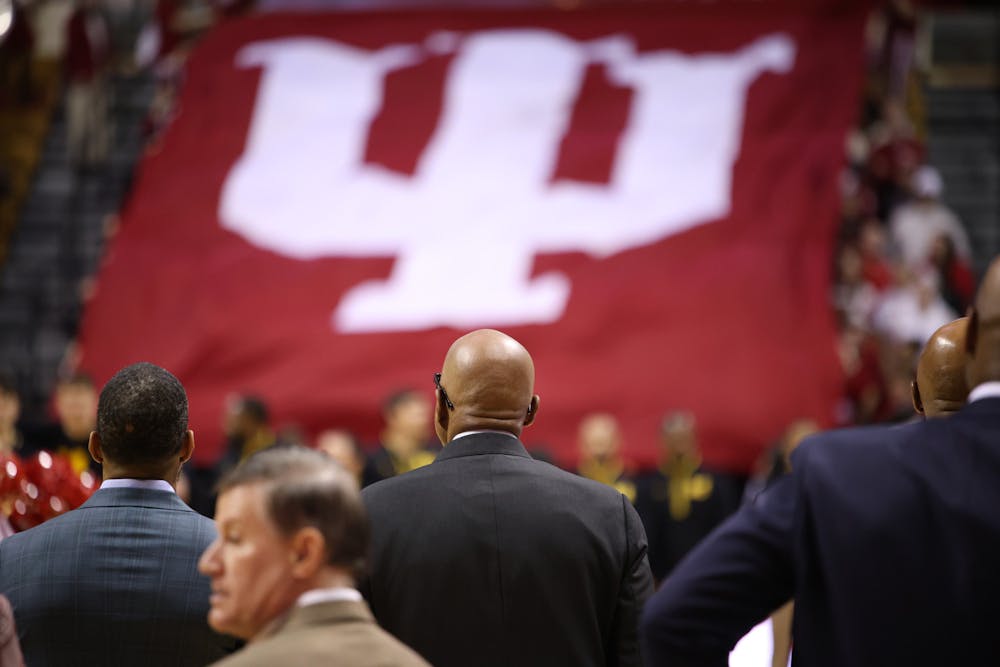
x=645 y=199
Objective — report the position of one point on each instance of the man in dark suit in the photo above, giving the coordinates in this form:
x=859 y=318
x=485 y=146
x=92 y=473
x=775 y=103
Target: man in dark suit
x=115 y=582
x=681 y=501
x=293 y=538
x=487 y=557
x=887 y=538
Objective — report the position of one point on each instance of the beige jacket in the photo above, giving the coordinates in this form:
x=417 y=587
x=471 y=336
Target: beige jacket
x=341 y=633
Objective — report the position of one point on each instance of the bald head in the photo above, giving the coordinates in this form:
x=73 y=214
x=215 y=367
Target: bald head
x=983 y=336
x=940 y=387
x=488 y=378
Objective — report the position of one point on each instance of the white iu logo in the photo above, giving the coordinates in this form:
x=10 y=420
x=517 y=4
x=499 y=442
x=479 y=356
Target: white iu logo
x=465 y=228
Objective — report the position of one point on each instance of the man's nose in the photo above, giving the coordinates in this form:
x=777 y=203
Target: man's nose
x=208 y=563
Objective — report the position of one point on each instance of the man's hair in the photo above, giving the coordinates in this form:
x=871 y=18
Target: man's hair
x=142 y=416
x=7 y=384
x=255 y=408
x=77 y=379
x=398 y=398
x=676 y=421
x=307 y=488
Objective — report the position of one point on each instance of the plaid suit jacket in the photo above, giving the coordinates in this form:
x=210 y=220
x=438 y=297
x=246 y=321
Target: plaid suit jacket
x=114 y=582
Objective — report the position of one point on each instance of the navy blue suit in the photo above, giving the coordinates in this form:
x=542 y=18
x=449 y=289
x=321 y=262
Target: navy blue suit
x=888 y=538
x=114 y=582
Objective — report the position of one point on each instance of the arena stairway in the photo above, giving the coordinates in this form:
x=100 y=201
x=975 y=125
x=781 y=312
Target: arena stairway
x=58 y=241
x=962 y=94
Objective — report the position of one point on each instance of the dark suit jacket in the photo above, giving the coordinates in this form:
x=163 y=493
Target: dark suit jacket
x=331 y=634
x=670 y=538
x=887 y=537
x=113 y=582
x=487 y=557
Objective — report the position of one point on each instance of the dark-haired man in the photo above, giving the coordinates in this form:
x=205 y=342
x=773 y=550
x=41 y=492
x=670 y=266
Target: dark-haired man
x=681 y=501
x=403 y=442
x=115 y=582
x=75 y=401
x=246 y=424
x=248 y=430
x=293 y=538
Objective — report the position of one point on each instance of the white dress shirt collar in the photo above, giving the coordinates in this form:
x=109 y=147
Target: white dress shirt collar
x=149 y=484
x=320 y=595
x=465 y=433
x=985 y=390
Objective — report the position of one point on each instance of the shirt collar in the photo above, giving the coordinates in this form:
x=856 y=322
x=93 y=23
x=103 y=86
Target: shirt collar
x=985 y=390
x=485 y=430
x=320 y=595
x=127 y=483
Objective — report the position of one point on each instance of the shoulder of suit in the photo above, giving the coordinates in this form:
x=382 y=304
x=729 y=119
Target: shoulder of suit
x=391 y=487
x=71 y=521
x=383 y=486
x=26 y=537
x=319 y=643
x=858 y=445
x=593 y=491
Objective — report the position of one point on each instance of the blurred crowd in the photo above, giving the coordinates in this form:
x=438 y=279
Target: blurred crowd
x=903 y=260
x=679 y=501
x=901 y=270
x=93 y=41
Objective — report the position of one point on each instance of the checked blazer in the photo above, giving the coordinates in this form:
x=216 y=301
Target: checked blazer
x=114 y=582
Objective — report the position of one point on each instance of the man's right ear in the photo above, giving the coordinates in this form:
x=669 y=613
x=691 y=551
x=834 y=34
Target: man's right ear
x=441 y=413
x=918 y=403
x=529 y=417
x=187 y=446
x=94 y=447
x=971 y=332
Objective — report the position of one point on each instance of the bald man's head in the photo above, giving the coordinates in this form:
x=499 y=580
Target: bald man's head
x=487 y=382
x=940 y=387
x=983 y=337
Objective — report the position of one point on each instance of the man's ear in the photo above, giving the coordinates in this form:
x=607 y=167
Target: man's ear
x=307 y=552
x=971 y=332
x=441 y=416
x=187 y=446
x=918 y=404
x=94 y=447
x=529 y=417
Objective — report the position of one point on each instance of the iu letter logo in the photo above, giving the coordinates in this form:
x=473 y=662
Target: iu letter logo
x=465 y=227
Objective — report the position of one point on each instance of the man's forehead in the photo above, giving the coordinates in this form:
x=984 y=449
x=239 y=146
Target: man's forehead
x=75 y=388
x=242 y=502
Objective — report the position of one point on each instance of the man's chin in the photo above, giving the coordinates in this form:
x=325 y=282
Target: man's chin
x=218 y=622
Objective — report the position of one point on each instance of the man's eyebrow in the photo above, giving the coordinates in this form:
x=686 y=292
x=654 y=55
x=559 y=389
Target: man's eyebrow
x=228 y=522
